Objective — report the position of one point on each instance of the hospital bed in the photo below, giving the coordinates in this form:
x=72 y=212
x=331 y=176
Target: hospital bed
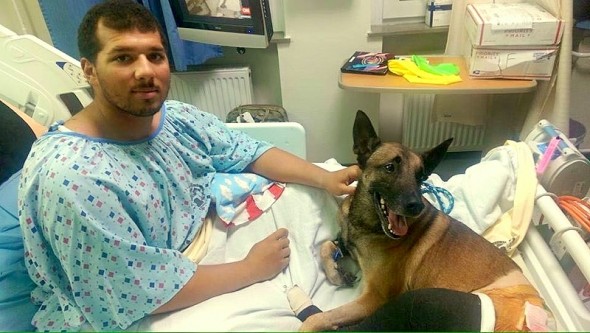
x=47 y=85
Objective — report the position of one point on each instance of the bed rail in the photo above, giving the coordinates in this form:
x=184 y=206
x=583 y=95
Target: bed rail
x=543 y=253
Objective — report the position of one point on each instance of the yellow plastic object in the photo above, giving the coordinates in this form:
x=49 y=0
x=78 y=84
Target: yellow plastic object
x=446 y=68
x=410 y=71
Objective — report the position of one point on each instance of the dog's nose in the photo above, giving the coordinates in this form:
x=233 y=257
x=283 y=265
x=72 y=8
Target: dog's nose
x=414 y=207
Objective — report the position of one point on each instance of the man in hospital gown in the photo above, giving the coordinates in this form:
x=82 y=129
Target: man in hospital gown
x=110 y=198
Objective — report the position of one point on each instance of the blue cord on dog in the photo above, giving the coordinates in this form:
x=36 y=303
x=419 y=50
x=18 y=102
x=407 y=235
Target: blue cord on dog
x=440 y=193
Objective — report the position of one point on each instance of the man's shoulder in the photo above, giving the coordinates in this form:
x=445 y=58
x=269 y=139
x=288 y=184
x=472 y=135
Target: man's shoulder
x=54 y=150
x=174 y=106
x=54 y=141
x=178 y=107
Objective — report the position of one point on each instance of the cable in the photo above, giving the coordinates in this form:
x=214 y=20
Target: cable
x=577 y=209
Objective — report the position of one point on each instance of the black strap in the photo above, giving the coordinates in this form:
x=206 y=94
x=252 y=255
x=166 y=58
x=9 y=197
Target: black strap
x=308 y=311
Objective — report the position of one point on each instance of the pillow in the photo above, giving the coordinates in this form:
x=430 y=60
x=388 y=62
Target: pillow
x=16 y=308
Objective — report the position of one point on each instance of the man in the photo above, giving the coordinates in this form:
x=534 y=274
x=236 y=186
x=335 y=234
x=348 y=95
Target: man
x=111 y=197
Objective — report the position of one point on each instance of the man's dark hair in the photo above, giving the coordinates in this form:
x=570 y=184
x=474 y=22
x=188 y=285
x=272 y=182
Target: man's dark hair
x=119 y=15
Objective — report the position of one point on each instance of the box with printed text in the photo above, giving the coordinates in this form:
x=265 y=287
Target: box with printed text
x=490 y=24
x=518 y=62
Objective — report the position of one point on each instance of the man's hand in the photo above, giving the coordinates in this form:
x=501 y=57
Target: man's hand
x=270 y=256
x=338 y=182
x=264 y=261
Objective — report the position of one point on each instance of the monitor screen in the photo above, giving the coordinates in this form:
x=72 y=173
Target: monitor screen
x=240 y=23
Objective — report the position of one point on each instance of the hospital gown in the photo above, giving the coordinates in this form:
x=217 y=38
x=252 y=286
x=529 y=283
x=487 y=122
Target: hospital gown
x=104 y=221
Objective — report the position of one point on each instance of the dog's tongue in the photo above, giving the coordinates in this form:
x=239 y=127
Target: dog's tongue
x=397 y=223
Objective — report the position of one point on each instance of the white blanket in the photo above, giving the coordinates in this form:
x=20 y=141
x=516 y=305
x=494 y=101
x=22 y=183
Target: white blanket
x=310 y=216
x=487 y=189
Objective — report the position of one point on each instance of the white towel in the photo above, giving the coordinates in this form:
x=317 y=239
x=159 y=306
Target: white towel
x=486 y=191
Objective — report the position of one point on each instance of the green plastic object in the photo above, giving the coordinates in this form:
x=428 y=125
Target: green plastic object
x=440 y=69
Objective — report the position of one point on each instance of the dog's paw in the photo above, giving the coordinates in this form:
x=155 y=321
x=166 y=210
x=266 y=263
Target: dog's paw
x=347 y=277
x=334 y=273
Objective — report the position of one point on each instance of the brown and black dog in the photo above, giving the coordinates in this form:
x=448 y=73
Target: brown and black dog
x=402 y=243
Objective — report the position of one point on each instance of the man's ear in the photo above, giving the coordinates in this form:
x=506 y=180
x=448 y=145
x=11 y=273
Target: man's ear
x=88 y=70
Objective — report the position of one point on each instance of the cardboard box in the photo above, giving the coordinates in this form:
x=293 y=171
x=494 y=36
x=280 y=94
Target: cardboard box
x=438 y=13
x=490 y=24
x=511 y=63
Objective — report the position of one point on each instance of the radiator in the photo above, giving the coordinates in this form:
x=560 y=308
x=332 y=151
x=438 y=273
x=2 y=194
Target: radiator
x=421 y=133
x=216 y=90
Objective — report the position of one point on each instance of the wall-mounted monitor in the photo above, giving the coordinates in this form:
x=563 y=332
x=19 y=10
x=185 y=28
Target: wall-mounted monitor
x=239 y=23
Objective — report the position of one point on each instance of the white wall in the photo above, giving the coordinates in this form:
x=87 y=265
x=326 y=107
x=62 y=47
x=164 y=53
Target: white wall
x=24 y=17
x=323 y=35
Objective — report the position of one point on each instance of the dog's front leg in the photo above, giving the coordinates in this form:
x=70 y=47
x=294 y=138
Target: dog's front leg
x=335 y=273
x=347 y=314
x=327 y=253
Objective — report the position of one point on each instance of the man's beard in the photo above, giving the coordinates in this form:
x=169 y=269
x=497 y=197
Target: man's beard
x=128 y=107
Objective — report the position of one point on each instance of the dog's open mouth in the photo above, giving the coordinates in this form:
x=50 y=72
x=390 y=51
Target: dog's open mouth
x=395 y=226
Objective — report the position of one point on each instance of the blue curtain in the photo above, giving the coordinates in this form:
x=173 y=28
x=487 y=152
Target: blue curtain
x=63 y=17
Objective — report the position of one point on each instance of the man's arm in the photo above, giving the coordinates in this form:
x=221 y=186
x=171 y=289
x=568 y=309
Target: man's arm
x=282 y=166
x=264 y=261
x=271 y=255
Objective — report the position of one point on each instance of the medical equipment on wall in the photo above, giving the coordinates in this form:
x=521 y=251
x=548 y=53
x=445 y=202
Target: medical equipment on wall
x=40 y=80
x=561 y=168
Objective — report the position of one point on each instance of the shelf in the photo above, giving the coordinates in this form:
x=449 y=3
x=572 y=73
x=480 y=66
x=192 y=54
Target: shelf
x=279 y=37
x=385 y=30
x=391 y=83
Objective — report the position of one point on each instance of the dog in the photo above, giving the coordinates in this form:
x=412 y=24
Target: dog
x=402 y=243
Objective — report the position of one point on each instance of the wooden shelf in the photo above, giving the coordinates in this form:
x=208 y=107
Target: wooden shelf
x=391 y=83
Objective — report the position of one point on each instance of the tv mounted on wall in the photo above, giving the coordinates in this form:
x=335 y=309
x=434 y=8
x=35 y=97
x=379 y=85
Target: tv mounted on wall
x=239 y=23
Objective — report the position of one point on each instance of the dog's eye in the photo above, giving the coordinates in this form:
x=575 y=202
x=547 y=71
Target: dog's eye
x=391 y=167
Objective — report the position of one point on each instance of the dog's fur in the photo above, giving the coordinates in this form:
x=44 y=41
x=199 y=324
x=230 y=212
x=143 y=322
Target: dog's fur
x=399 y=240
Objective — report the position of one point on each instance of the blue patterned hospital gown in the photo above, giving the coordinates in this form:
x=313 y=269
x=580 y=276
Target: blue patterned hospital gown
x=104 y=221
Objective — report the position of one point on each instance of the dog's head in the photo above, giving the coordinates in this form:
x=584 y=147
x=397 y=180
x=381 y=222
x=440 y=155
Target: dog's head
x=392 y=176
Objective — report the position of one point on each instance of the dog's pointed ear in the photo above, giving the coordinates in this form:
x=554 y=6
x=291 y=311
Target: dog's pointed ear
x=435 y=155
x=365 y=138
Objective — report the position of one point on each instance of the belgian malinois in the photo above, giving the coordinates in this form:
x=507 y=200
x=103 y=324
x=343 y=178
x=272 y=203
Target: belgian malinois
x=401 y=242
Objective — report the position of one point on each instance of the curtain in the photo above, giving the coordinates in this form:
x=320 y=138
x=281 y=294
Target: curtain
x=63 y=17
x=551 y=98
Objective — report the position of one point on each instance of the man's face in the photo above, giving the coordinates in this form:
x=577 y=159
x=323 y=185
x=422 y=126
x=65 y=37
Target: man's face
x=131 y=73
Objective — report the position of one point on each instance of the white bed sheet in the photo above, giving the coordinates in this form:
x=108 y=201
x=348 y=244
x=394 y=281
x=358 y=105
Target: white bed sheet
x=310 y=216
